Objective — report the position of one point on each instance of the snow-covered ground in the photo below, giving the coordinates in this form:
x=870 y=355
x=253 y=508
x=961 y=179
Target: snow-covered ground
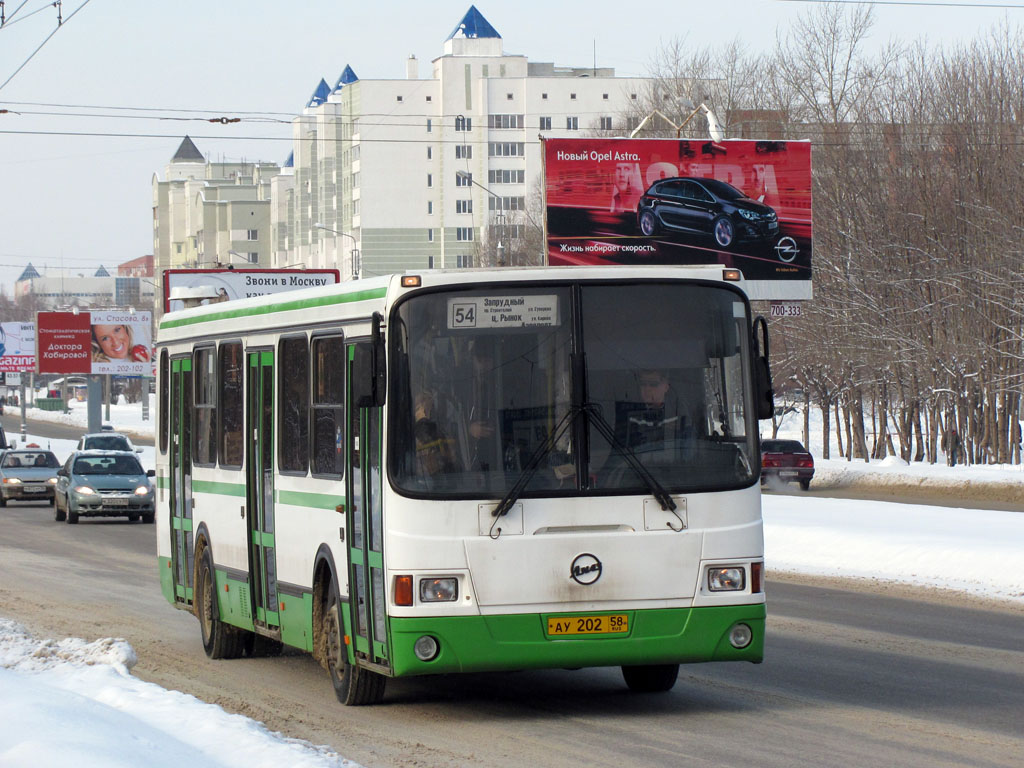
x=72 y=701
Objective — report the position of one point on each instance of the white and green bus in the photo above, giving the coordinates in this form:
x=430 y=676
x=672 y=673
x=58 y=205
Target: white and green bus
x=472 y=470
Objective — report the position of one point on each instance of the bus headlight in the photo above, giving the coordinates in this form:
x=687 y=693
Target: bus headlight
x=731 y=579
x=442 y=590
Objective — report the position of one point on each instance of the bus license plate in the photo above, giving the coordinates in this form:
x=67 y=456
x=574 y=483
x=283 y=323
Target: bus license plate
x=588 y=625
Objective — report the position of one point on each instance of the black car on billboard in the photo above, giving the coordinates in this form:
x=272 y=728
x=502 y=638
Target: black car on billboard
x=705 y=207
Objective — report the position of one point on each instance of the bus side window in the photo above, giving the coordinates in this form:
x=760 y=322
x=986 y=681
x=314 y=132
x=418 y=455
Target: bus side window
x=328 y=405
x=293 y=408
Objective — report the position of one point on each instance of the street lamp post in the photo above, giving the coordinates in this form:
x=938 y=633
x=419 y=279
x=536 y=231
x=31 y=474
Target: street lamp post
x=354 y=251
x=499 y=217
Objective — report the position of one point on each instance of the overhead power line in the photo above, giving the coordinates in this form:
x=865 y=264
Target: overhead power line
x=60 y=24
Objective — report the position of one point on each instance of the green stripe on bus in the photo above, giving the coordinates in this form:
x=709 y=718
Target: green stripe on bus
x=307 y=499
x=284 y=306
x=214 y=486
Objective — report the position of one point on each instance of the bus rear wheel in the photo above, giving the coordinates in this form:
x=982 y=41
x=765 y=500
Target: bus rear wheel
x=220 y=640
x=354 y=686
x=651 y=678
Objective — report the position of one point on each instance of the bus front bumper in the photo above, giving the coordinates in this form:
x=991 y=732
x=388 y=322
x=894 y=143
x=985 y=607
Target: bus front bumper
x=522 y=641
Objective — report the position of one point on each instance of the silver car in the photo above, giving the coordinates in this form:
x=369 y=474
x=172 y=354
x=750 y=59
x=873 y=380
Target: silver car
x=27 y=475
x=104 y=484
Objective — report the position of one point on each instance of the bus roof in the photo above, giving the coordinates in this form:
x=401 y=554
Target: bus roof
x=273 y=310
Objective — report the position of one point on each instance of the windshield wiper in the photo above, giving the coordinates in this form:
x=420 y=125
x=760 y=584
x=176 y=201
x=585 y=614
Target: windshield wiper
x=657 y=489
x=533 y=463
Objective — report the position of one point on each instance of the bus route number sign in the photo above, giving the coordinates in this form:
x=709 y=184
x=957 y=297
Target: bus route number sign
x=785 y=309
x=511 y=311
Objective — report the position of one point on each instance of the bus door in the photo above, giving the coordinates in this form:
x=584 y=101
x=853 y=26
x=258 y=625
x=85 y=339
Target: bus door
x=259 y=420
x=180 y=497
x=365 y=525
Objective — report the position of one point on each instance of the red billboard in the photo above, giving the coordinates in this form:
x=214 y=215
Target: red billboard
x=64 y=341
x=743 y=204
x=98 y=341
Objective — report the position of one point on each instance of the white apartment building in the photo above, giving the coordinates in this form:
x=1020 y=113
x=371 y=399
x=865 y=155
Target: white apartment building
x=434 y=172
x=205 y=214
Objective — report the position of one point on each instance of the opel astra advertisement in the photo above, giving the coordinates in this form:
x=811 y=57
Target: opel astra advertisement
x=739 y=203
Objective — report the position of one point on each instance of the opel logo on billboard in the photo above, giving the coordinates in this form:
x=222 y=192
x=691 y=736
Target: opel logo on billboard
x=786 y=249
x=585 y=569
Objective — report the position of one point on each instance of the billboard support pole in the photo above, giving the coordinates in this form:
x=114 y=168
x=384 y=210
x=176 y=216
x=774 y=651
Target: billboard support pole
x=24 y=428
x=106 y=396
x=94 y=402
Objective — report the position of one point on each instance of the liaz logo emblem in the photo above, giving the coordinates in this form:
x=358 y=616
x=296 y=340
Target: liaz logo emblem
x=585 y=569
x=786 y=249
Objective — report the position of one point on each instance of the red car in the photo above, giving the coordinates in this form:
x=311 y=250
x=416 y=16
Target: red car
x=787 y=461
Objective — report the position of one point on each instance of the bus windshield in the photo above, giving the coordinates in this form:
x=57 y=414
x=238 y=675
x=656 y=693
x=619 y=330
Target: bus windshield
x=484 y=383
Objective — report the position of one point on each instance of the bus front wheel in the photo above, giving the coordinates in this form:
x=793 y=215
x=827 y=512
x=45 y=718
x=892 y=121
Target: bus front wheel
x=220 y=640
x=353 y=685
x=651 y=678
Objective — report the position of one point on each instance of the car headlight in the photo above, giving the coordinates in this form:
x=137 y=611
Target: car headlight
x=52 y=481
x=748 y=215
x=142 y=490
x=84 y=490
x=12 y=481
x=439 y=590
x=730 y=579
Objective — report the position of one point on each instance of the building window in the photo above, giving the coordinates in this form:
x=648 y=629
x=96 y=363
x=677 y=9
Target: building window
x=632 y=96
x=544 y=96
x=430 y=207
x=545 y=123
x=506 y=149
x=509 y=96
x=604 y=96
x=463 y=123
x=463 y=179
x=463 y=261
x=463 y=152
x=572 y=123
x=506 y=203
x=430 y=235
x=430 y=153
x=504 y=121
x=328 y=405
x=430 y=179
x=572 y=97
x=606 y=123
x=464 y=206
x=293 y=412
x=430 y=262
x=505 y=176
x=464 y=234
x=398 y=98
x=429 y=125
x=429 y=98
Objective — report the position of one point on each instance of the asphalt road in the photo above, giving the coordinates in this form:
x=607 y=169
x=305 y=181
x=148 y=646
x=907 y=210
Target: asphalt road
x=852 y=677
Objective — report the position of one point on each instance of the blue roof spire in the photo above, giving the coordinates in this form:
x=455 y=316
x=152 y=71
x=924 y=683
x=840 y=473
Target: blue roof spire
x=320 y=94
x=347 y=77
x=473 y=24
x=290 y=162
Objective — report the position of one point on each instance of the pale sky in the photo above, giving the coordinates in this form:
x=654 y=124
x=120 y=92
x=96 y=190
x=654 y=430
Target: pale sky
x=82 y=201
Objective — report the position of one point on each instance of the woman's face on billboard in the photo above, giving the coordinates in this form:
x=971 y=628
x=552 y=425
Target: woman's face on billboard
x=113 y=340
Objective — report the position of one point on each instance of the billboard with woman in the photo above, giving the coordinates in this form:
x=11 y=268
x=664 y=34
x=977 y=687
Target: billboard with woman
x=121 y=342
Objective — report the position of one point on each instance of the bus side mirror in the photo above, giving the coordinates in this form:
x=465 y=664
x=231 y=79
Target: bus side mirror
x=369 y=369
x=764 y=395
